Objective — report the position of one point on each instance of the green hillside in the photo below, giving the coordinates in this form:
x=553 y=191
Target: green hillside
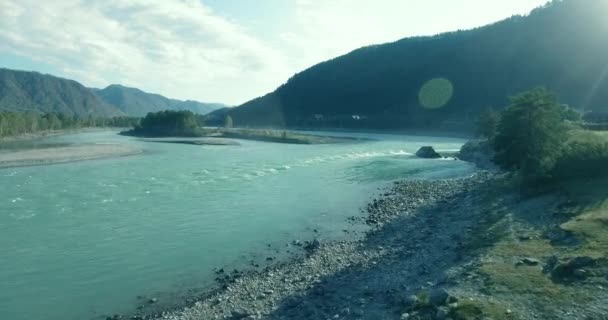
x=442 y=82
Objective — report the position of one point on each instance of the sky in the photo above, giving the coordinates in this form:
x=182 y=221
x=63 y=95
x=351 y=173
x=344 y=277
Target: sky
x=227 y=51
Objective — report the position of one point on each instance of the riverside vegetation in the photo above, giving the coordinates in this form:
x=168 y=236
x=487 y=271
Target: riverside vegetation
x=187 y=124
x=20 y=123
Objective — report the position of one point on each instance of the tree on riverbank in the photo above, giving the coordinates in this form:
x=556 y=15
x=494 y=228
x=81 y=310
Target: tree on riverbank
x=168 y=123
x=540 y=139
x=17 y=123
x=530 y=134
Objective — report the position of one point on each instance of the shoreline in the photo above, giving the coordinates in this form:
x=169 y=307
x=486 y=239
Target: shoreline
x=259 y=135
x=194 y=141
x=297 y=288
x=53 y=133
x=64 y=154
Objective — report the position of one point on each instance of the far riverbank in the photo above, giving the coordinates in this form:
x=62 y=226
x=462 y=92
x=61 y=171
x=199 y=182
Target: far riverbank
x=64 y=154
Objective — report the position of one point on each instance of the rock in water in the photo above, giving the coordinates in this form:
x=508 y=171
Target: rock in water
x=427 y=153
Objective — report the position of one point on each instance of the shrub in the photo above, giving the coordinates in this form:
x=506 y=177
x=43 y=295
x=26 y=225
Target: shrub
x=585 y=157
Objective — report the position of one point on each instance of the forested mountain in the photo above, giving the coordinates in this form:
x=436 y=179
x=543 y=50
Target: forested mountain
x=24 y=91
x=135 y=102
x=32 y=91
x=561 y=45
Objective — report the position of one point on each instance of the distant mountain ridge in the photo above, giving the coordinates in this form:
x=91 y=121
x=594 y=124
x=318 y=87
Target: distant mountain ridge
x=560 y=45
x=25 y=91
x=32 y=91
x=136 y=102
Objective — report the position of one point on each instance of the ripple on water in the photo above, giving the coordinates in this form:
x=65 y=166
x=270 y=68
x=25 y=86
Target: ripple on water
x=11 y=174
x=22 y=216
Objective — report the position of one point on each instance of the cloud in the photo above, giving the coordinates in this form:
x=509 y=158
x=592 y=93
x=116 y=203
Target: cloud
x=179 y=48
x=184 y=49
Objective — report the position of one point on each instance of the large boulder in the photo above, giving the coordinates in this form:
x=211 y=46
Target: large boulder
x=427 y=153
x=577 y=269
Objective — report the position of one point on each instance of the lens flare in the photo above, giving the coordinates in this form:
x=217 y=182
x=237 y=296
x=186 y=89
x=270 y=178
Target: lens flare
x=436 y=93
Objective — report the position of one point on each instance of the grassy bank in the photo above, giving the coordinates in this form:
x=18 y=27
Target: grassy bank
x=540 y=256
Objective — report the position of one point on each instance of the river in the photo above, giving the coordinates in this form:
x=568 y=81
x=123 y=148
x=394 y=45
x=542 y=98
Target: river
x=83 y=240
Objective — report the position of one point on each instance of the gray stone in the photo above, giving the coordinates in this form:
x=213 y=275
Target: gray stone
x=530 y=261
x=573 y=269
x=239 y=314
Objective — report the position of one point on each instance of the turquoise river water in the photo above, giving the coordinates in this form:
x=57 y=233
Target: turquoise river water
x=82 y=240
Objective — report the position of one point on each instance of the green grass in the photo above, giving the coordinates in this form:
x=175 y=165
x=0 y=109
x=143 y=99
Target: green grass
x=589 y=215
x=500 y=248
x=475 y=309
x=503 y=276
x=496 y=241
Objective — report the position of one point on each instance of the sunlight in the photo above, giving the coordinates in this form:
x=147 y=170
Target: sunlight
x=436 y=93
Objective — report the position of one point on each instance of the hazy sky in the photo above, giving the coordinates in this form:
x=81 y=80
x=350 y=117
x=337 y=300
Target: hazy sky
x=216 y=50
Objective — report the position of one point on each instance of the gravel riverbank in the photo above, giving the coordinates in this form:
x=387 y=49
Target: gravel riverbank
x=413 y=243
x=64 y=154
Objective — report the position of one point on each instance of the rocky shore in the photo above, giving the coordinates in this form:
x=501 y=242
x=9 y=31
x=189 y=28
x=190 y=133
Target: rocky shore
x=413 y=244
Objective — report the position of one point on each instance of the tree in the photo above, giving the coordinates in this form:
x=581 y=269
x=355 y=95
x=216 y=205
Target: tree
x=53 y=122
x=15 y=123
x=228 y=122
x=570 y=114
x=530 y=133
x=487 y=123
x=169 y=123
x=3 y=124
